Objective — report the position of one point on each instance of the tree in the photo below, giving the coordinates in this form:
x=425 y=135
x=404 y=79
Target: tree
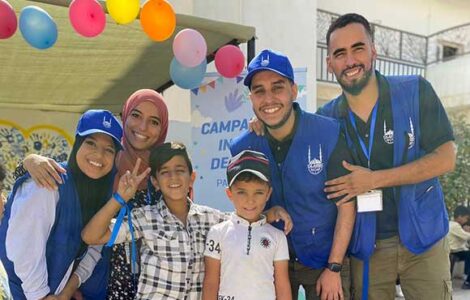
x=456 y=184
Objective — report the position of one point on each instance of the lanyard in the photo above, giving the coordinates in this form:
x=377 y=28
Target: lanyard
x=367 y=152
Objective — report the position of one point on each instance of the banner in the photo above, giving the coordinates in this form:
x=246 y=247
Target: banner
x=220 y=111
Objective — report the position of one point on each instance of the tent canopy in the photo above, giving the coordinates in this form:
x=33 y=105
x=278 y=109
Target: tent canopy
x=79 y=73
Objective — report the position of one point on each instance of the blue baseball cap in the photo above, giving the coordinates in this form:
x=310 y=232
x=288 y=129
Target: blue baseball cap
x=100 y=121
x=269 y=60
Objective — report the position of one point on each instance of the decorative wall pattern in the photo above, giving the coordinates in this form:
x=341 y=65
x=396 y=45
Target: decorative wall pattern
x=16 y=142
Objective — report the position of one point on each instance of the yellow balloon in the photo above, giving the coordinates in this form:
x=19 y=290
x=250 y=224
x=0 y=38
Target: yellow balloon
x=123 y=11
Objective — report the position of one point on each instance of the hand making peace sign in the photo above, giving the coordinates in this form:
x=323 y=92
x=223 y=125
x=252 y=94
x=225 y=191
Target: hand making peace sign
x=129 y=181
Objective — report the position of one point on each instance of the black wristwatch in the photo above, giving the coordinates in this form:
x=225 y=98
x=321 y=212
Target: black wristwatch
x=334 y=267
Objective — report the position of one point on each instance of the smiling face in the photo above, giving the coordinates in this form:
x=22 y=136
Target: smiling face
x=272 y=96
x=249 y=198
x=174 y=179
x=351 y=57
x=143 y=126
x=95 y=157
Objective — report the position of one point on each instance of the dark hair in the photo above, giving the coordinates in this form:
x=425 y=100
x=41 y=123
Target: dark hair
x=161 y=154
x=2 y=172
x=345 y=20
x=92 y=193
x=248 y=177
x=461 y=211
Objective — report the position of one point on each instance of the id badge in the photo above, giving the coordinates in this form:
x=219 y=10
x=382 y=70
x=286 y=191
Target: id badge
x=370 y=201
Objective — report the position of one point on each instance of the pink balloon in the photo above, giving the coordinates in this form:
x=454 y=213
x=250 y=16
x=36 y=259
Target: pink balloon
x=8 y=21
x=189 y=48
x=229 y=61
x=87 y=17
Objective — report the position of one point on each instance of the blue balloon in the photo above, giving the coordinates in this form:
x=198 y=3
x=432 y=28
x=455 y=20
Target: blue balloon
x=37 y=27
x=187 y=78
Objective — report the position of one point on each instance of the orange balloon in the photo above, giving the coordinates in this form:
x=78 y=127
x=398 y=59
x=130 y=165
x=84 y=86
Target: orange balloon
x=158 y=19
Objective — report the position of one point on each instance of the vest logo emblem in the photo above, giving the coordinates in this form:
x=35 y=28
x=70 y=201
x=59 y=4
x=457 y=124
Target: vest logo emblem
x=388 y=135
x=315 y=165
x=411 y=136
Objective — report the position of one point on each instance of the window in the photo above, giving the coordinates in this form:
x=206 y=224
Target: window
x=449 y=50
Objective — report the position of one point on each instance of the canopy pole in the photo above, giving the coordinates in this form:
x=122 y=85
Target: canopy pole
x=250 y=49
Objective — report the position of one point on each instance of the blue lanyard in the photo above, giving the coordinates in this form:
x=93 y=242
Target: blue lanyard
x=125 y=209
x=367 y=152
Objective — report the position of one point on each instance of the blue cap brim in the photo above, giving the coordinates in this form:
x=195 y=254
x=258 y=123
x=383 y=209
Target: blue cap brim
x=91 y=131
x=249 y=76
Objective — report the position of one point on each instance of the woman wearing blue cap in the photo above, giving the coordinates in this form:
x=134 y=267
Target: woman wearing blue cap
x=41 y=247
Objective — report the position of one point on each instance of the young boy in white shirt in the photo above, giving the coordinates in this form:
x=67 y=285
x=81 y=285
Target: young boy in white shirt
x=245 y=257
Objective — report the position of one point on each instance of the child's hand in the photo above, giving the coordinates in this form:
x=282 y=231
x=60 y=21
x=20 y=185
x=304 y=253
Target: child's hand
x=277 y=213
x=129 y=182
x=256 y=126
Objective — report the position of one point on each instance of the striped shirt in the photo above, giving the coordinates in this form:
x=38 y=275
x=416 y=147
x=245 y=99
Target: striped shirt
x=172 y=254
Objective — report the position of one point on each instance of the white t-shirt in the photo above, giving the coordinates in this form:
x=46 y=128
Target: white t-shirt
x=247 y=254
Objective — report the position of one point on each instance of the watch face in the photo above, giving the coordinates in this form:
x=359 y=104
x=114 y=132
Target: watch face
x=334 y=267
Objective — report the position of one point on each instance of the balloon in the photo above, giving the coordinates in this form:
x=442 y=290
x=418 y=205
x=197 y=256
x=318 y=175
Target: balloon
x=158 y=19
x=123 y=11
x=189 y=48
x=8 y=22
x=229 y=61
x=87 y=17
x=37 y=27
x=187 y=78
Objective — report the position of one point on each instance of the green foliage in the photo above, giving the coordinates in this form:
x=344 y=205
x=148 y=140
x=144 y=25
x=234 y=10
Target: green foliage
x=456 y=184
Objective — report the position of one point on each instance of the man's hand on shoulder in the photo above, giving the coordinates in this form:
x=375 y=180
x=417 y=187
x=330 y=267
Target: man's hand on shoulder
x=359 y=181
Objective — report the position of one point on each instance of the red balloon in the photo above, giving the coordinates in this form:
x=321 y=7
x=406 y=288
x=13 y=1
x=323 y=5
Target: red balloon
x=229 y=61
x=8 y=21
x=87 y=17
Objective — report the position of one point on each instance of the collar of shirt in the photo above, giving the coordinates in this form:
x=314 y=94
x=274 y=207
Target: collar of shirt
x=240 y=221
x=279 y=149
x=166 y=213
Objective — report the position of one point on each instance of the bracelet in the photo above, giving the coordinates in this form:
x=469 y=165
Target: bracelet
x=119 y=199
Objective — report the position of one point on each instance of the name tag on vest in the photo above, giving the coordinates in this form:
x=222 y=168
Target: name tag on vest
x=370 y=201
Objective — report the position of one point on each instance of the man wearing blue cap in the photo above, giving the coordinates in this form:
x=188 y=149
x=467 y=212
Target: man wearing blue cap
x=304 y=150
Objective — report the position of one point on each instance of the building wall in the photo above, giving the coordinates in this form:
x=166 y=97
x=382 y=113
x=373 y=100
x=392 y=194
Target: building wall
x=451 y=81
x=418 y=16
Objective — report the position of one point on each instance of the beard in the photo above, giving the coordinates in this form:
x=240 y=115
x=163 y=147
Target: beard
x=281 y=122
x=357 y=85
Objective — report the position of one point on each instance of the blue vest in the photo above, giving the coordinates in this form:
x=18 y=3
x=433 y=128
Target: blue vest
x=62 y=245
x=423 y=219
x=298 y=185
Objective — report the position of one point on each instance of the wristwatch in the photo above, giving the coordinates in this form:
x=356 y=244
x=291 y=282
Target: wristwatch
x=334 y=267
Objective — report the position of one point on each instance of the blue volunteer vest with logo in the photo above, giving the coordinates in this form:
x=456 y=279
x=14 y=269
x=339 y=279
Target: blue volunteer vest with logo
x=299 y=182
x=422 y=216
x=62 y=245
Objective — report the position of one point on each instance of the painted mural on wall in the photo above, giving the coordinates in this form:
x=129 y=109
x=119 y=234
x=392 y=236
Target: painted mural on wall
x=16 y=142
